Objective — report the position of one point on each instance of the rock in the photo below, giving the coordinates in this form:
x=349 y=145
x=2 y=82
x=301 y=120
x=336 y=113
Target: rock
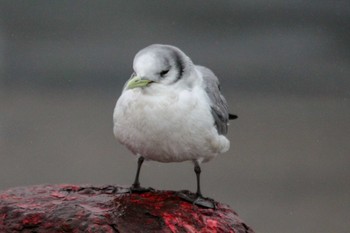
x=78 y=208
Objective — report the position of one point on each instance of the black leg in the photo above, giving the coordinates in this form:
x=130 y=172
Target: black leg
x=197 y=170
x=136 y=184
x=197 y=198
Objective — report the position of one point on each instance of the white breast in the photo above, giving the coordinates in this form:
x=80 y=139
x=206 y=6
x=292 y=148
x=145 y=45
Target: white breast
x=169 y=126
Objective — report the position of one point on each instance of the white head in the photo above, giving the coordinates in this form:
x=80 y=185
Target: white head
x=161 y=64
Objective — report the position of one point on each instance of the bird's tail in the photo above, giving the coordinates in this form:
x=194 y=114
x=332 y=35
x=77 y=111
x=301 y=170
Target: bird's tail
x=232 y=116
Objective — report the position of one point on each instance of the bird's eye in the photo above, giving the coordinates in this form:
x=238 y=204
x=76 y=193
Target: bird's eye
x=164 y=72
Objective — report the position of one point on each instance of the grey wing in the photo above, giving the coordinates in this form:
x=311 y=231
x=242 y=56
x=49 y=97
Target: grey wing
x=219 y=108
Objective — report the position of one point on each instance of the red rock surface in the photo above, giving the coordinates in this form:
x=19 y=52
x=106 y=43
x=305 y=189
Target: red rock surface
x=75 y=208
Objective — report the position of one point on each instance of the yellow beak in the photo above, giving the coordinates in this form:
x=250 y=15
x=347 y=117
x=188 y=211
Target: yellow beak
x=137 y=82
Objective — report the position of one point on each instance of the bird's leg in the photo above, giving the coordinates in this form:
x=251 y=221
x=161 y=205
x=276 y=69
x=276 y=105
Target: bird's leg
x=136 y=187
x=136 y=183
x=197 y=170
x=197 y=198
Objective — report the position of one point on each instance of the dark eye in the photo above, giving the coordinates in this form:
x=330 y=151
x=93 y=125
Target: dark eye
x=164 y=72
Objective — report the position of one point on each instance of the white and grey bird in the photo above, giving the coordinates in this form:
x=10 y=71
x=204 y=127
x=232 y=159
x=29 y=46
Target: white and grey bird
x=171 y=110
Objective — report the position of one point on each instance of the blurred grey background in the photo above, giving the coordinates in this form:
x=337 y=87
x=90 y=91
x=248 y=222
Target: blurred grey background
x=284 y=68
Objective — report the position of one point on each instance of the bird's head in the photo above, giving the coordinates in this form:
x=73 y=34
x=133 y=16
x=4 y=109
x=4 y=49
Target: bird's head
x=160 y=64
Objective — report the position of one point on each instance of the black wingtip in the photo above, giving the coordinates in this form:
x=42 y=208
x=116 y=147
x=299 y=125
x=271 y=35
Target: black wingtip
x=232 y=116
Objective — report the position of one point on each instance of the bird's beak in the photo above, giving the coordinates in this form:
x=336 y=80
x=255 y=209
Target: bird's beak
x=137 y=82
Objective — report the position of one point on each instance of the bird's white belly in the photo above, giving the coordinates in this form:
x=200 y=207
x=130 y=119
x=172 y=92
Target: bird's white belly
x=168 y=128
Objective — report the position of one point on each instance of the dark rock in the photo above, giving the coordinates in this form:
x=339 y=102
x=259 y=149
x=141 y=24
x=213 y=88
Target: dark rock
x=75 y=208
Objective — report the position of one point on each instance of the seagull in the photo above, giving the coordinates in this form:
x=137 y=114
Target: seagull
x=171 y=110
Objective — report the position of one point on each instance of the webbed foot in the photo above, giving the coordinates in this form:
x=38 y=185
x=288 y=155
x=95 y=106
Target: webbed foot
x=139 y=189
x=197 y=200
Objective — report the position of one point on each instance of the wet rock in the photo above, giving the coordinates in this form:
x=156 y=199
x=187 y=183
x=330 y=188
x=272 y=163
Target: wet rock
x=78 y=208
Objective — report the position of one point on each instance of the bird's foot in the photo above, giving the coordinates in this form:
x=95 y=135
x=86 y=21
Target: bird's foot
x=139 y=189
x=197 y=199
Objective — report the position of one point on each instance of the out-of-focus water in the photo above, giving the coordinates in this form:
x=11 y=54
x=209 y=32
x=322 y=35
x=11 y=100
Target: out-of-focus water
x=287 y=169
